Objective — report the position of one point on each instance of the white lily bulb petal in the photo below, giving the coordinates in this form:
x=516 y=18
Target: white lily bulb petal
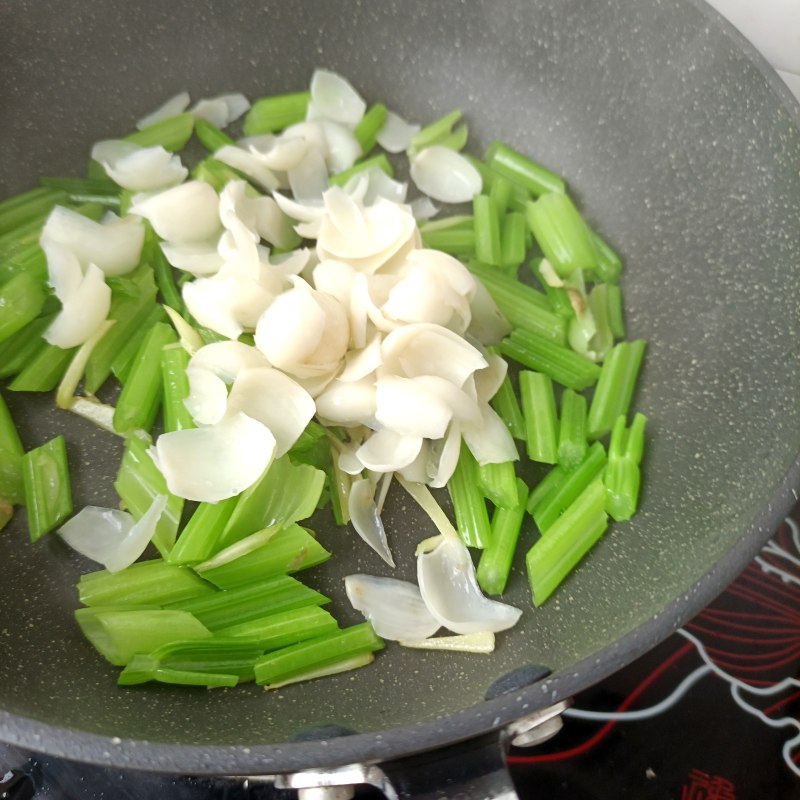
x=451 y=271
x=185 y=213
x=378 y=184
x=427 y=349
x=293 y=263
x=447 y=582
x=214 y=463
x=445 y=175
x=420 y=296
x=395 y=133
x=200 y=258
x=64 y=271
x=361 y=363
x=349 y=462
x=395 y=608
x=343 y=148
x=175 y=105
x=487 y=323
x=480 y=642
x=366 y=519
x=222 y=110
x=275 y=400
x=490 y=441
x=489 y=379
x=348 y=403
x=423 y=208
x=346 y=215
x=417 y=470
x=282 y=153
x=312 y=132
x=302 y=212
x=334 y=98
x=82 y=312
x=250 y=163
x=271 y=223
x=227 y=359
x=115 y=248
x=303 y=332
x=139 y=169
x=387 y=451
x=111 y=537
x=208 y=396
x=334 y=278
x=308 y=178
x=212 y=303
x=442 y=458
x=386 y=228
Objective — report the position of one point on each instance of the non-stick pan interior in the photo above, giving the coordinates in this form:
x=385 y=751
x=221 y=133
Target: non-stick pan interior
x=684 y=154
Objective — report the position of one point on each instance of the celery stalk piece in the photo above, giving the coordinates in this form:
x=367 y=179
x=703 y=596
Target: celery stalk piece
x=498 y=483
x=210 y=136
x=289 y=550
x=281 y=665
x=505 y=403
x=33 y=204
x=44 y=371
x=272 y=114
x=140 y=398
x=519 y=169
x=172 y=133
x=132 y=301
x=616 y=319
x=455 y=222
x=187 y=662
x=285 y=493
x=175 y=384
x=65 y=394
x=11 y=452
x=512 y=239
x=380 y=162
x=562 y=487
x=487 y=230
x=198 y=540
x=48 y=493
x=21 y=300
x=336 y=668
x=557 y=553
x=499 y=189
x=138 y=483
x=561 y=363
x=125 y=358
x=30 y=259
x=521 y=305
x=557 y=295
x=119 y=634
x=494 y=566
x=615 y=386
x=245 y=603
x=215 y=173
x=622 y=475
x=560 y=231
x=366 y=132
x=456 y=139
x=541 y=419
x=453 y=241
x=432 y=134
x=609 y=266
x=140 y=669
x=287 y=627
x=151 y=583
x=572 y=443
x=472 y=519
x=341 y=483
x=165 y=279
x=84 y=190
x=312 y=447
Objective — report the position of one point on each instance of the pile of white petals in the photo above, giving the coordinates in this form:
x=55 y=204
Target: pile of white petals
x=363 y=329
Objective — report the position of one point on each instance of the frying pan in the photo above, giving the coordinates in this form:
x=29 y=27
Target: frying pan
x=683 y=149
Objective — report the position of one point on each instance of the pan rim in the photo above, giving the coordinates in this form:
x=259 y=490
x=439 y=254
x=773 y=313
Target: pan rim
x=239 y=760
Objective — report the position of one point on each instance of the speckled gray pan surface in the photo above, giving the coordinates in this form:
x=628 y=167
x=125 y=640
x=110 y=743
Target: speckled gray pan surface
x=684 y=153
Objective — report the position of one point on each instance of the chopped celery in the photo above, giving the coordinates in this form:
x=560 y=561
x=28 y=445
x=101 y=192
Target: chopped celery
x=48 y=493
x=541 y=420
x=11 y=453
x=376 y=162
x=514 y=166
x=119 y=634
x=287 y=627
x=472 y=519
x=272 y=114
x=175 y=385
x=21 y=300
x=494 y=566
x=210 y=136
x=487 y=230
x=572 y=444
x=154 y=583
x=366 y=132
x=498 y=483
x=281 y=665
x=622 y=476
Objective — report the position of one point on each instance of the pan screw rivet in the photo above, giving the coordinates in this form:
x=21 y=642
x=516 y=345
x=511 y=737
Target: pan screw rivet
x=538 y=727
